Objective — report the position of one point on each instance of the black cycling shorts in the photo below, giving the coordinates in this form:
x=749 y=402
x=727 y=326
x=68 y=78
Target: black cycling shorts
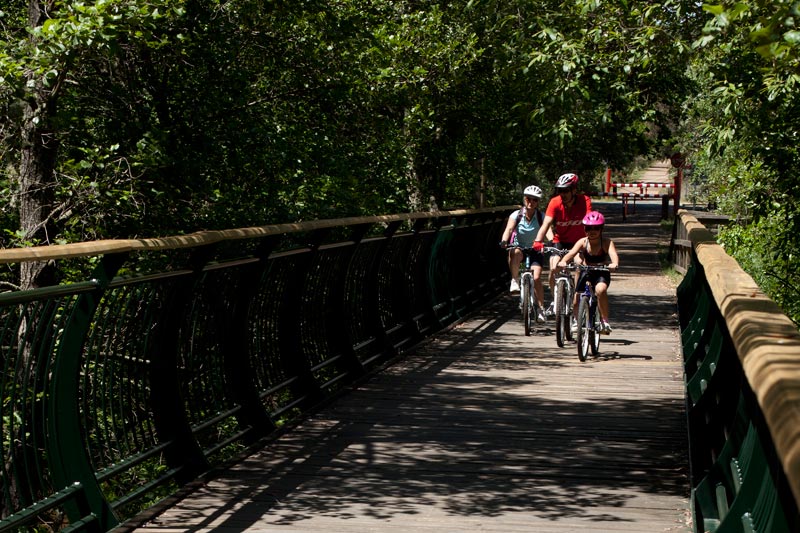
x=537 y=258
x=595 y=277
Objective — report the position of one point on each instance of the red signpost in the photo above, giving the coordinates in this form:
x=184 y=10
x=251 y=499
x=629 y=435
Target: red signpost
x=678 y=161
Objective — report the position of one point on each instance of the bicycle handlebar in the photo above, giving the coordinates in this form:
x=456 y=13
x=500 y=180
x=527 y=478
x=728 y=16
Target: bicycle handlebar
x=573 y=266
x=546 y=249
x=529 y=249
x=556 y=251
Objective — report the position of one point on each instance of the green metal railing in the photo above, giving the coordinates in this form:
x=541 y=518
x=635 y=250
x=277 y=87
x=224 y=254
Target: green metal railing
x=742 y=374
x=174 y=354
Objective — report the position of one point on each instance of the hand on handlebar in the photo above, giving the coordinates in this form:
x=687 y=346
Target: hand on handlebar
x=503 y=244
x=612 y=266
x=538 y=246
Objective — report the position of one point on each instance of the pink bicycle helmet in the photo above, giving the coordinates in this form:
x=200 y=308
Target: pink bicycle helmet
x=567 y=181
x=594 y=218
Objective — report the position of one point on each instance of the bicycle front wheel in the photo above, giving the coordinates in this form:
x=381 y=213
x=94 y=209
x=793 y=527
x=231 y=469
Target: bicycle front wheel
x=569 y=295
x=525 y=300
x=584 y=331
x=595 y=319
x=562 y=318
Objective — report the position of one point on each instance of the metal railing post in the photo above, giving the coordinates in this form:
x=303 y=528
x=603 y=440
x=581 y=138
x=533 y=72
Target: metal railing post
x=171 y=420
x=237 y=357
x=68 y=457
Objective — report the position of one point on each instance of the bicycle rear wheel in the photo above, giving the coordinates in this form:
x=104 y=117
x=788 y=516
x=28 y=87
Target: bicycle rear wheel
x=525 y=300
x=558 y=312
x=584 y=332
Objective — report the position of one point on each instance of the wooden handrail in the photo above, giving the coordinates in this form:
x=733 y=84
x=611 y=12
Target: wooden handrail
x=203 y=238
x=766 y=340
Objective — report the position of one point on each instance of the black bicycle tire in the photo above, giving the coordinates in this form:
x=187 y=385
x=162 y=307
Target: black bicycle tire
x=594 y=341
x=561 y=317
x=525 y=299
x=568 y=299
x=583 y=330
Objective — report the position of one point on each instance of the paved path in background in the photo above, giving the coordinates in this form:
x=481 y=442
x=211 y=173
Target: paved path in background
x=484 y=429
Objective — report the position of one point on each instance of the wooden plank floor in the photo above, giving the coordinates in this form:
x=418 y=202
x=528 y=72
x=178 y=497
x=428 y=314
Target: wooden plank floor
x=484 y=429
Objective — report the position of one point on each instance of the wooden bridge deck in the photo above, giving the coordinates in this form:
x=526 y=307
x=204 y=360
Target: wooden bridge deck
x=484 y=429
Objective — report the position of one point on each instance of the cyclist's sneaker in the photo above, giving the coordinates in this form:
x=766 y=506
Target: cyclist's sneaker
x=605 y=327
x=540 y=315
x=551 y=310
x=514 y=286
x=573 y=326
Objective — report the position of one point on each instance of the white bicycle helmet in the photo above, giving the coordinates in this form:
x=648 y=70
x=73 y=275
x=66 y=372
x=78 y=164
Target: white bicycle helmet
x=533 y=190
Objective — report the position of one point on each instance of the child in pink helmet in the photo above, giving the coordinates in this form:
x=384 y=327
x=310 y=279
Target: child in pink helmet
x=595 y=249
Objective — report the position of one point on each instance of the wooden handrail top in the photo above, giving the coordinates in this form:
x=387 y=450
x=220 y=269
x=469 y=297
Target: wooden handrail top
x=203 y=238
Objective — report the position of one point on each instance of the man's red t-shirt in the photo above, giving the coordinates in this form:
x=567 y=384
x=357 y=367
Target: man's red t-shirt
x=568 y=222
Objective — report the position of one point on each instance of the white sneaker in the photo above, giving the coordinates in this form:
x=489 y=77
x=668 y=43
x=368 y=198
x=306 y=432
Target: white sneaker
x=540 y=316
x=605 y=327
x=551 y=310
x=514 y=286
x=573 y=326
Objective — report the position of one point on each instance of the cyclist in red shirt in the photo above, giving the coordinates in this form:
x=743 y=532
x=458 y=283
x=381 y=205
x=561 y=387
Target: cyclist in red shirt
x=564 y=214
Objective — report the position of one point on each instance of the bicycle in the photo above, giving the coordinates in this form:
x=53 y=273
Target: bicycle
x=527 y=295
x=588 y=317
x=563 y=294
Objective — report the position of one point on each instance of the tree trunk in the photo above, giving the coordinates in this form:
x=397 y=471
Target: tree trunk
x=412 y=176
x=37 y=168
x=36 y=191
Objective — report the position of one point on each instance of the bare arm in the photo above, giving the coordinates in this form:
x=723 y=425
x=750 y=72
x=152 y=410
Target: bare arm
x=545 y=229
x=612 y=255
x=509 y=229
x=569 y=256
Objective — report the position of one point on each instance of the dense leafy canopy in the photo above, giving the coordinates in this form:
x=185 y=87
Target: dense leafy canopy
x=193 y=114
x=742 y=129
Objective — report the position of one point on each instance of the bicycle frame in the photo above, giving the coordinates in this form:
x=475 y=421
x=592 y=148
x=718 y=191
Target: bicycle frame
x=588 y=317
x=563 y=295
x=527 y=299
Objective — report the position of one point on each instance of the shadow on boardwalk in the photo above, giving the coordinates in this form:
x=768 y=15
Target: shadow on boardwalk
x=483 y=429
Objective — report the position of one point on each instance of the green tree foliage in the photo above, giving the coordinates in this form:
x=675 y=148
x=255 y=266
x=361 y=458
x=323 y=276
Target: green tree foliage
x=603 y=79
x=742 y=131
x=45 y=65
x=198 y=114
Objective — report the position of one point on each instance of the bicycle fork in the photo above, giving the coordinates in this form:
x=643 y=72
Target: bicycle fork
x=591 y=307
x=527 y=278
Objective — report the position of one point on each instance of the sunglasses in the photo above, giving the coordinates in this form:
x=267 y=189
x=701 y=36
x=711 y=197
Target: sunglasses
x=592 y=228
x=532 y=198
